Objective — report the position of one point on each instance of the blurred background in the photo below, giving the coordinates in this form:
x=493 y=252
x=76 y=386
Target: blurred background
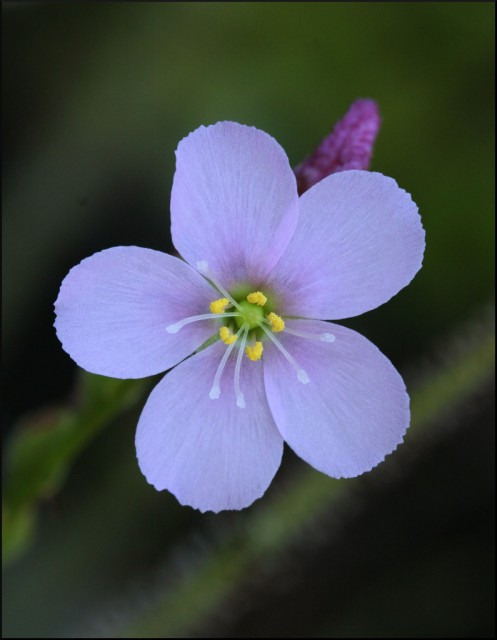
x=96 y=99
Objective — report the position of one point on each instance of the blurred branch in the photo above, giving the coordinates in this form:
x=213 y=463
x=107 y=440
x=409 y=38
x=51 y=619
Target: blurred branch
x=183 y=604
x=43 y=446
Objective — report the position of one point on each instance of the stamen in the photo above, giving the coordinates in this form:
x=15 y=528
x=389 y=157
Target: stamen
x=240 y=399
x=226 y=335
x=277 y=323
x=215 y=391
x=254 y=352
x=174 y=328
x=325 y=337
x=218 y=306
x=301 y=374
x=203 y=267
x=257 y=297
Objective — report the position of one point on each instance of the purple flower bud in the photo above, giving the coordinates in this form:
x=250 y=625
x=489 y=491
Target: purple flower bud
x=348 y=146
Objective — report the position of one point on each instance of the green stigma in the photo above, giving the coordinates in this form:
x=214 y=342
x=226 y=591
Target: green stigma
x=251 y=315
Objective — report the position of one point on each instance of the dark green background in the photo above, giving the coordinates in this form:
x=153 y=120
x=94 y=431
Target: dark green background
x=96 y=98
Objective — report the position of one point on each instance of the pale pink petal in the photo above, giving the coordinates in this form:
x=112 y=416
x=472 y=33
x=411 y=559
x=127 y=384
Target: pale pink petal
x=353 y=411
x=211 y=454
x=234 y=201
x=358 y=242
x=113 y=309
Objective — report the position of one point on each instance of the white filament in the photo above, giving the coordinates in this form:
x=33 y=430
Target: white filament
x=174 y=328
x=203 y=267
x=301 y=374
x=325 y=337
x=240 y=399
x=215 y=391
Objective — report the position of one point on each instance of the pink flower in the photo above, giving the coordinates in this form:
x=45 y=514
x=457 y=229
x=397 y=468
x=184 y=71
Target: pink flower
x=264 y=270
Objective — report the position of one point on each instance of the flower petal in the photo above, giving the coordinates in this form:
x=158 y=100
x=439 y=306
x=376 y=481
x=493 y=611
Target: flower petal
x=210 y=454
x=113 y=309
x=353 y=412
x=234 y=201
x=358 y=242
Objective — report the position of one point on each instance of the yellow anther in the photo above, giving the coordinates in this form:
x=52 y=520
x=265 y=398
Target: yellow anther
x=277 y=323
x=226 y=335
x=218 y=306
x=257 y=297
x=254 y=352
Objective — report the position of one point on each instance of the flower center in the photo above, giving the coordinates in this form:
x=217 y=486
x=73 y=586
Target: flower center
x=246 y=321
x=250 y=314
